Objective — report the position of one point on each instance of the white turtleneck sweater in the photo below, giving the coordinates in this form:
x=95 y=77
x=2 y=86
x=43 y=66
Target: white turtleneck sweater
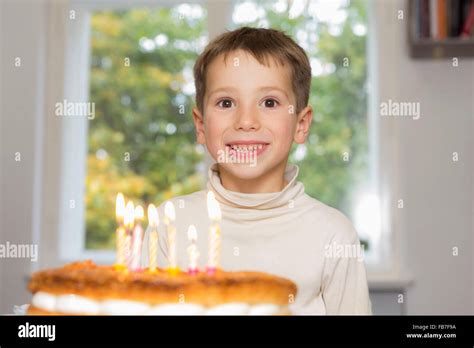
x=284 y=233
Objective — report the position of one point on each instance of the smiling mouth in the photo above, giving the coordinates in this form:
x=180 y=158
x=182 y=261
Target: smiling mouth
x=245 y=148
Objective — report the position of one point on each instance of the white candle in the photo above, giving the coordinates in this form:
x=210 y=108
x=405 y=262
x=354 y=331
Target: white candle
x=153 y=222
x=170 y=216
x=120 y=232
x=127 y=249
x=120 y=252
x=153 y=251
x=193 y=251
x=129 y=221
x=137 y=238
x=136 y=248
x=214 y=212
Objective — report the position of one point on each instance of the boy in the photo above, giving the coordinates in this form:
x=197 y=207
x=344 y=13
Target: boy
x=252 y=90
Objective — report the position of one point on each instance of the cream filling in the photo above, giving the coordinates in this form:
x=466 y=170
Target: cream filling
x=233 y=308
x=263 y=309
x=176 y=309
x=45 y=301
x=75 y=304
x=123 y=307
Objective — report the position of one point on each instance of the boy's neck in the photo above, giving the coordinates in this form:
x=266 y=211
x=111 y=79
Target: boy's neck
x=273 y=181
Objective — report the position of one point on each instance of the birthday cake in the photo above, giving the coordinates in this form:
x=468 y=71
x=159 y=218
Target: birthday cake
x=135 y=285
x=84 y=288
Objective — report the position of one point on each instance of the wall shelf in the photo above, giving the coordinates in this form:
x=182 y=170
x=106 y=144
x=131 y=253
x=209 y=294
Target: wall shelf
x=428 y=48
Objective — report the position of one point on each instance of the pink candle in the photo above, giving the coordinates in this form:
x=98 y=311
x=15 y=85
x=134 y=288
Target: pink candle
x=193 y=251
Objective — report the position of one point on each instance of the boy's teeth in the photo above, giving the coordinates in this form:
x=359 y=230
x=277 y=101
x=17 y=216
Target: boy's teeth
x=246 y=148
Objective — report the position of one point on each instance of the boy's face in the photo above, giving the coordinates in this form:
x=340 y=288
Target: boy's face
x=250 y=107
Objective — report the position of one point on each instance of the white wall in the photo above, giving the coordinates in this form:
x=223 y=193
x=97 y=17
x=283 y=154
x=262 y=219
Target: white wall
x=1 y=150
x=22 y=35
x=437 y=192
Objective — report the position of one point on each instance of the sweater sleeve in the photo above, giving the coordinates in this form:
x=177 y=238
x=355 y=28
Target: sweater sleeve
x=344 y=284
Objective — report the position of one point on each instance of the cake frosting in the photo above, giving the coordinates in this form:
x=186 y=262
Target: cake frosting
x=84 y=288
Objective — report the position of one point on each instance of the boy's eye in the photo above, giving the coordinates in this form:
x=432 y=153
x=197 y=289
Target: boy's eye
x=270 y=103
x=225 y=103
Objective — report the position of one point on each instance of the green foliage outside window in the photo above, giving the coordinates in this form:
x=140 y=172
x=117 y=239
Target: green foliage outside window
x=142 y=140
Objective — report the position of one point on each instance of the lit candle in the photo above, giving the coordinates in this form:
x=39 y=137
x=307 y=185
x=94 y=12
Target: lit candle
x=170 y=216
x=214 y=212
x=120 y=233
x=127 y=247
x=153 y=222
x=120 y=208
x=129 y=221
x=137 y=238
x=193 y=250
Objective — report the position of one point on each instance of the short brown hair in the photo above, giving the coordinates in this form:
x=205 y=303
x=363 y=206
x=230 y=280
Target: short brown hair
x=261 y=44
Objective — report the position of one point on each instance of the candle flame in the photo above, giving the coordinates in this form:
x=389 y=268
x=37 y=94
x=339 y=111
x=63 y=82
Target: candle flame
x=120 y=207
x=153 y=219
x=192 y=233
x=129 y=218
x=169 y=211
x=213 y=207
x=139 y=213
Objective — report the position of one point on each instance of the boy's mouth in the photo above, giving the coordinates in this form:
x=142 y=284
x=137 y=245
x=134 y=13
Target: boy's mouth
x=247 y=147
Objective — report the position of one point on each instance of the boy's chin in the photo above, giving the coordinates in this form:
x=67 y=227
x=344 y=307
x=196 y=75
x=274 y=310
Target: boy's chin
x=243 y=171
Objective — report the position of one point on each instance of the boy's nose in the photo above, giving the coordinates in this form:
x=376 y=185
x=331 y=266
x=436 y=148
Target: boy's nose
x=247 y=119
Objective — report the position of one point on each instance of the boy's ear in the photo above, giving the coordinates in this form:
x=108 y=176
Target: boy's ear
x=303 y=124
x=199 y=125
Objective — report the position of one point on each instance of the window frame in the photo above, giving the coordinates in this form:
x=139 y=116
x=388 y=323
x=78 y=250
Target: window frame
x=71 y=227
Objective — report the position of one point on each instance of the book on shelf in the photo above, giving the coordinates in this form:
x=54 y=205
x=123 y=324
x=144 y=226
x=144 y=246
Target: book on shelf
x=443 y=19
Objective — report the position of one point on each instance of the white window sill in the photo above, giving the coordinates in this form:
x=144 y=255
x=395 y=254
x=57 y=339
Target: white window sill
x=389 y=282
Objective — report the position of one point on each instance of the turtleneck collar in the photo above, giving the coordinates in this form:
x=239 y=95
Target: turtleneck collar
x=258 y=201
